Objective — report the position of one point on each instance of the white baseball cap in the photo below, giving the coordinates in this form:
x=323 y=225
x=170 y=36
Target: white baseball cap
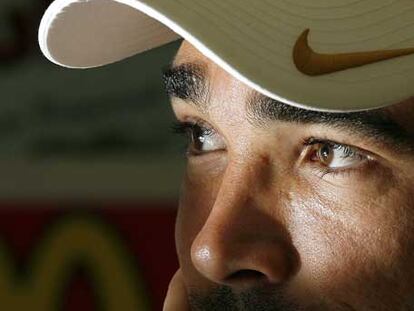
x=327 y=55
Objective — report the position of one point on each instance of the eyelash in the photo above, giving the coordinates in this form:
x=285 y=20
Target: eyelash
x=349 y=151
x=187 y=129
x=184 y=127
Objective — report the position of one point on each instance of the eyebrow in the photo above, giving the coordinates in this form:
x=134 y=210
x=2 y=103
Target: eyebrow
x=376 y=124
x=189 y=82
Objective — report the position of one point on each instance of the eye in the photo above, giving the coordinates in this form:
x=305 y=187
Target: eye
x=335 y=157
x=202 y=138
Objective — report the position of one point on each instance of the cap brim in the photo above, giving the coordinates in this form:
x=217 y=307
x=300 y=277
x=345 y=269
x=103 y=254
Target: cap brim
x=252 y=40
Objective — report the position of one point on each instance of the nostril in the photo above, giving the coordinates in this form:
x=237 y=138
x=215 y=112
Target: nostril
x=243 y=276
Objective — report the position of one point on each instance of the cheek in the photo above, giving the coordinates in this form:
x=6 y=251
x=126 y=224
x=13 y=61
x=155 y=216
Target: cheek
x=354 y=247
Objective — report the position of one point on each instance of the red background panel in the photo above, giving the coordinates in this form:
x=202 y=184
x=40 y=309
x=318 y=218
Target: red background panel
x=146 y=232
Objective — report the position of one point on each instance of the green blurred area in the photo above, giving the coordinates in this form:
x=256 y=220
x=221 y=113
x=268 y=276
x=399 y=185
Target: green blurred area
x=96 y=133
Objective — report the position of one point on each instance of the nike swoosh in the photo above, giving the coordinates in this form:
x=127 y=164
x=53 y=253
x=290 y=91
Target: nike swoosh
x=312 y=63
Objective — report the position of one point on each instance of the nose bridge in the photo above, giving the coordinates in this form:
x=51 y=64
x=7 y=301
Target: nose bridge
x=242 y=232
x=240 y=197
x=246 y=178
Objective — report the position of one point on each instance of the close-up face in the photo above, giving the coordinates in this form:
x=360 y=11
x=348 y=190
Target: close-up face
x=287 y=209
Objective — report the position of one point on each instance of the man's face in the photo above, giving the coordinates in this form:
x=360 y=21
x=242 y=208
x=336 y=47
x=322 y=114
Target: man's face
x=287 y=209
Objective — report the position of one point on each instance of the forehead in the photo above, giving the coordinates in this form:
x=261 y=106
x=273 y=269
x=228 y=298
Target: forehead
x=403 y=113
x=187 y=53
x=220 y=83
x=225 y=86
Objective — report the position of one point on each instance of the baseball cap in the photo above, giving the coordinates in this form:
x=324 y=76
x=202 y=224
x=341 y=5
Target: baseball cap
x=325 y=55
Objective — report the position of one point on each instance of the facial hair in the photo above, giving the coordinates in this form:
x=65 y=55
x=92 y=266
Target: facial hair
x=223 y=298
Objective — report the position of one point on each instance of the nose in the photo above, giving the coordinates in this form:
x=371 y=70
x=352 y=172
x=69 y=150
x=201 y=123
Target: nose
x=244 y=242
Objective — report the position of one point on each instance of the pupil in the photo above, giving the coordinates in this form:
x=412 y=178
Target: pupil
x=198 y=137
x=325 y=152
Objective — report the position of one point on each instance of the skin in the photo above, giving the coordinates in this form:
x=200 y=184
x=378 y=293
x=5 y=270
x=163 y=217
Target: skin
x=263 y=226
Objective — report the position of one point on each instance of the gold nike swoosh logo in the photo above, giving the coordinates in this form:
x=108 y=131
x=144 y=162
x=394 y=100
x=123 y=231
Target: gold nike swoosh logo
x=312 y=63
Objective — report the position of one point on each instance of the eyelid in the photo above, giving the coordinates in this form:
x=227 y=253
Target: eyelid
x=315 y=141
x=189 y=125
x=368 y=159
x=181 y=127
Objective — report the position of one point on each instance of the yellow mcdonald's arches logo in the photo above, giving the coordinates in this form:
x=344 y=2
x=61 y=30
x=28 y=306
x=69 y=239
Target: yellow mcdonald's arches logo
x=114 y=276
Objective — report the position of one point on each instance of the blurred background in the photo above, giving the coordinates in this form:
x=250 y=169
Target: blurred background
x=89 y=177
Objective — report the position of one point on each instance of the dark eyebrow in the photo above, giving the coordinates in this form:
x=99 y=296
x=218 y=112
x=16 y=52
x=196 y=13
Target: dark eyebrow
x=189 y=82
x=375 y=124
